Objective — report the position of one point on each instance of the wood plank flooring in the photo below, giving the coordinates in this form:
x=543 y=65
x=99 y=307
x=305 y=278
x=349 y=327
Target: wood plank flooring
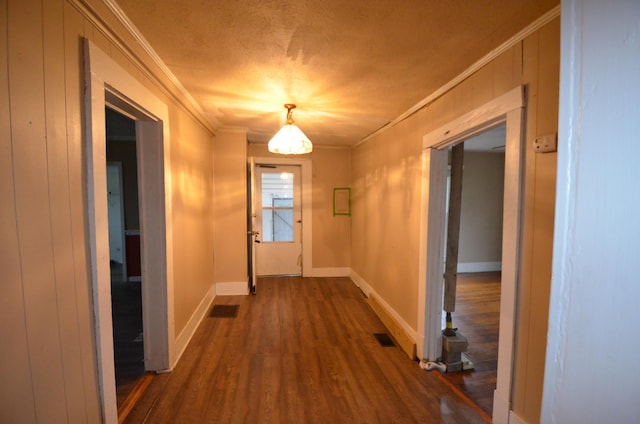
x=128 y=347
x=302 y=350
x=477 y=318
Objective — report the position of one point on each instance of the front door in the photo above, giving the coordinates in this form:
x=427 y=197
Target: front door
x=279 y=220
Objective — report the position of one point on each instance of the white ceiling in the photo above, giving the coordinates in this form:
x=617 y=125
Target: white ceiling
x=350 y=66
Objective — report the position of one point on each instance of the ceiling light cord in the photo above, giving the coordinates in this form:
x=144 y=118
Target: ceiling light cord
x=290 y=107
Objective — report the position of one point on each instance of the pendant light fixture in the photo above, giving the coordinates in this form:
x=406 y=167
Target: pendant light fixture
x=290 y=140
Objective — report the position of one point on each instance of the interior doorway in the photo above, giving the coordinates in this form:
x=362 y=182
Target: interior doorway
x=477 y=306
x=124 y=247
x=108 y=84
x=507 y=109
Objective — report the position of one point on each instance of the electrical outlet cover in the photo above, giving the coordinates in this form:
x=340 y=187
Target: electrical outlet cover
x=545 y=143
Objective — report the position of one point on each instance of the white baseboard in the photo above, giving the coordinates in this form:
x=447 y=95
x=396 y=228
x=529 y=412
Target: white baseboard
x=330 y=272
x=515 y=419
x=500 y=409
x=192 y=325
x=368 y=291
x=360 y=283
x=479 y=267
x=238 y=288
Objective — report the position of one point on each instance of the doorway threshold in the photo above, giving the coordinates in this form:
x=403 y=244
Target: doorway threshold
x=132 y=398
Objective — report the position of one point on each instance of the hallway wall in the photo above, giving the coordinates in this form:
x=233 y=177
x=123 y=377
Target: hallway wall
x=230 y=175
x=49 y=367
x=386 y=178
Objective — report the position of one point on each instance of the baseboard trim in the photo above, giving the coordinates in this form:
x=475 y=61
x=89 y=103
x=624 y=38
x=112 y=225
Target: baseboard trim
x=360 y=283
x=515 y=419
x=192 y=325
x=501 y=412
x=479 y=267
x=330 y=272
x=237 y=288
x=403 y=334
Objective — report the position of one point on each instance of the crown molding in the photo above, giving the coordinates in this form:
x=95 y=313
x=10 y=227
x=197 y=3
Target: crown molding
x=519 y=37
x=184 y=98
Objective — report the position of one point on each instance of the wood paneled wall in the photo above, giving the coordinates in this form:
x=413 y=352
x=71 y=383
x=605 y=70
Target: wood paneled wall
x=48 y=369
x=386 y=180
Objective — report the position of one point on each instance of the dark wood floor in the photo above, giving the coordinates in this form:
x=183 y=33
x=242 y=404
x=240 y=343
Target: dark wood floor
x=128 y=347
x=477 y=318
x=300 y=351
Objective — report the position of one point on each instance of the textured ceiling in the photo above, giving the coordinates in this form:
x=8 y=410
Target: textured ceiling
x=351 y=66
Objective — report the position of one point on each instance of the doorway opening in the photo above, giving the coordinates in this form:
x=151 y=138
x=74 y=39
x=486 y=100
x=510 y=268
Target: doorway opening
x=124 y=251
x=507 y=109
x=278 y=220
x=477 y=299
x=109 y=85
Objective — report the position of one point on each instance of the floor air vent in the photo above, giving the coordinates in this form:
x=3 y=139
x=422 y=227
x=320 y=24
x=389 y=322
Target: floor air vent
x=224 y=311
x=384 y=339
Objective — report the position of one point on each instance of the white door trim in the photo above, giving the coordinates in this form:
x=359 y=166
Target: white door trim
x=509 y=109
x=107 y=83
x=305 y=165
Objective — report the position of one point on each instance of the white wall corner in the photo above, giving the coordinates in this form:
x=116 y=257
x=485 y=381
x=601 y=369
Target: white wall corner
x=236 y=288
x=331 y=272
x=192 y=325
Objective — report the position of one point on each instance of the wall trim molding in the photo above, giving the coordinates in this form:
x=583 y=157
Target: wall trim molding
x=501 y=408
x=515 y=419
x=186 y=101
x=479 y=267
x=233 y=288
x=182 y=341
x=360 y=283
x=401 y=331
x=331 y=272
x=519 y=37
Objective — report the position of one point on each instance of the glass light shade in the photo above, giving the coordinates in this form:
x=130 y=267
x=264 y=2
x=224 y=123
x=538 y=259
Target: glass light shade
x=290 y=140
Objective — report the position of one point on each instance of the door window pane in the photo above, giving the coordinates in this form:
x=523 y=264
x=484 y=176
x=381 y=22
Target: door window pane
x=277 y=206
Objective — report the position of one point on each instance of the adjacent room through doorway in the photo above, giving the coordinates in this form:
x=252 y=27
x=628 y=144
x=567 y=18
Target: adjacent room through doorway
x=124 y=247
x=479 y=253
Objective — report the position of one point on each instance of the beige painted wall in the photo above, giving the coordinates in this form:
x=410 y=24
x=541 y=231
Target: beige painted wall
x=193 y=215
x=230 y=153
x=386 y=182
x=481 y=214
x=331 y=167
x=48 y=368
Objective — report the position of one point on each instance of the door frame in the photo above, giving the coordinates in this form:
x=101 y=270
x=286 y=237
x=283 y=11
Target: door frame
x=306 y=193
x=108 y=84
x=506 y=109
x=271 y=250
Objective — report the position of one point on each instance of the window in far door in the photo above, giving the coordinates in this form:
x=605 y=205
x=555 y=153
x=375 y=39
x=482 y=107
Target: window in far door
x=277 y=207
